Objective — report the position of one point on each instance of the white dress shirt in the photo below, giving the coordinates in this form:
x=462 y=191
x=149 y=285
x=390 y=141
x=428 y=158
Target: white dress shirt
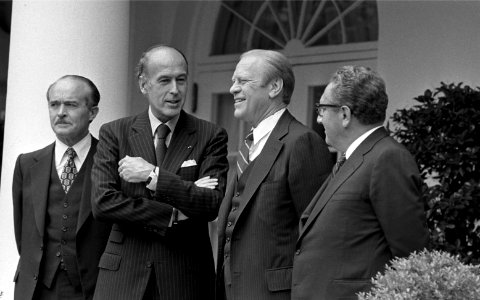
x=81 y=148
x=262 y=132
x=358 y=141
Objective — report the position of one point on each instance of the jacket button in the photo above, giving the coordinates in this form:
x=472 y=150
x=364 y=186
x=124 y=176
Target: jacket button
x=234 y=208
x=228 y=239
x=237 y=194
x=297 y=252
x=57 y=254
x=229 y=224
x=35 y=277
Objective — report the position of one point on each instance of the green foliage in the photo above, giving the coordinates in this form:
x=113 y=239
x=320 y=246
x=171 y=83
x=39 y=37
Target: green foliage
x=426 y=275
x=443 y=134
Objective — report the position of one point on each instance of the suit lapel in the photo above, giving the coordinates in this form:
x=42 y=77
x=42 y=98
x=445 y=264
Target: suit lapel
x=266 y=159
x=331 y=186
x=182 y=143
x=40 y=178
x=141 y=140
x=85 y=205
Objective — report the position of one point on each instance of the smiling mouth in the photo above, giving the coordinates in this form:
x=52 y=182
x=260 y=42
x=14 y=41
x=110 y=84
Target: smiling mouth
x=239 y=100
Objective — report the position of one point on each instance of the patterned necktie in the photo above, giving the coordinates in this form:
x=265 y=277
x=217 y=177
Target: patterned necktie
x=243 y=159
x=69 y=170
x=338 y=164
x=162 y=131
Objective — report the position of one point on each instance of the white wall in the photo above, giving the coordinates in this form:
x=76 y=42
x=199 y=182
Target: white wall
x=422 y=43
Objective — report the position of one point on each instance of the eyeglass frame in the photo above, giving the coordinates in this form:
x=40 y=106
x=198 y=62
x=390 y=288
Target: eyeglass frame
x=320 y=108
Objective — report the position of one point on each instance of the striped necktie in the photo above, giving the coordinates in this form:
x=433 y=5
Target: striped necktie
x=243 y=159
x=69 y=170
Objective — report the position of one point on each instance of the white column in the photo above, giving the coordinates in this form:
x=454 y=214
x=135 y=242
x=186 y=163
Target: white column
x=50 y=39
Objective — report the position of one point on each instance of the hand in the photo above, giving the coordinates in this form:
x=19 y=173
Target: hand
x=207 y=182
x=134 y=169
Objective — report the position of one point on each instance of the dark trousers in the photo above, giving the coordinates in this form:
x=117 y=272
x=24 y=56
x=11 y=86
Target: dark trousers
x=61 y=289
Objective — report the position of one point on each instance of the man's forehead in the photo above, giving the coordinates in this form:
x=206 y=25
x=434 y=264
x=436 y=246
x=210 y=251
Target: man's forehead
x=69 y=87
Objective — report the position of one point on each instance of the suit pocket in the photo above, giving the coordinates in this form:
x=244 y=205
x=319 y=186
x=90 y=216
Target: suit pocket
x=110 y=261
x=279 y=279
x=188 y=173
x=116 y=237
x=346 y=289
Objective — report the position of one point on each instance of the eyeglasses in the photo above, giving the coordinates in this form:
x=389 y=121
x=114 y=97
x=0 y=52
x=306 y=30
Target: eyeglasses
x=320 y=108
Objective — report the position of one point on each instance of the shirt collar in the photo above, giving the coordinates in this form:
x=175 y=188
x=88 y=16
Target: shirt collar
x=81 y=148
x=266 y=125
x=154 y=122
x=358 y=141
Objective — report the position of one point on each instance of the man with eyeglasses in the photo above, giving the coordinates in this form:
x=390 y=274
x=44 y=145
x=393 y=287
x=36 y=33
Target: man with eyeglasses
x=280 y=166
x=369 y=210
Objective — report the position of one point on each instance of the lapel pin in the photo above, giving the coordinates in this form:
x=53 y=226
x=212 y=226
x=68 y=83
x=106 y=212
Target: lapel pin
x=189 y=147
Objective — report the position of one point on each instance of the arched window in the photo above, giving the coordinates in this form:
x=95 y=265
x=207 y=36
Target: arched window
x=244 y=25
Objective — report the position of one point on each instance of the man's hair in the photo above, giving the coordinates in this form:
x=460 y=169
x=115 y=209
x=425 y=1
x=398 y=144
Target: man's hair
x=363 y=91
x=277 y=66
x=140 y=69
x=94 y=96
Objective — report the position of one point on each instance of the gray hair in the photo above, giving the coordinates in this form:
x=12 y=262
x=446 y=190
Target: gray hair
x=363 y=91
x=278 y=66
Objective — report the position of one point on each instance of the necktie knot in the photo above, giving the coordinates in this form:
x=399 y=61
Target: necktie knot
x=70 y=153
x=243 y=158
x=339 y=163
x=249 y=139
x=162 y=131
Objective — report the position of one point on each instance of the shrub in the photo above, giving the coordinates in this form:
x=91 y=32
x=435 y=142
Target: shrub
x=426 y=275
x=443 y=133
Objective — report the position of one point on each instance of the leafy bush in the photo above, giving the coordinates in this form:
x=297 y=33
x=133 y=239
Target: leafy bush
x=426 y=275
x=443 y=133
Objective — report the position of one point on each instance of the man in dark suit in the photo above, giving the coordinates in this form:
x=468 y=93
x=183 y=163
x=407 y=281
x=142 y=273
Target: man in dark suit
x=277 y=175
x=146 y=182
x=57 y=238
x=369 y=210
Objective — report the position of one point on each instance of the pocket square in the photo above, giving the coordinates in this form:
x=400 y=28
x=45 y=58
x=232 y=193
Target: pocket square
x=188 y=163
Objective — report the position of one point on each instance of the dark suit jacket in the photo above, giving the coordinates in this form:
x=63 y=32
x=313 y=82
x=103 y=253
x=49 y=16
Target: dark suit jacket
x=367 y=214
x=31 y=182
x=284 y=178
x=141 y=239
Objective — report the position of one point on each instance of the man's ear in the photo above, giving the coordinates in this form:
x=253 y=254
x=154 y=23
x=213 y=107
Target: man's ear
x=276 y=87
x=346 y=115
x=142 y=82
x=93 y=113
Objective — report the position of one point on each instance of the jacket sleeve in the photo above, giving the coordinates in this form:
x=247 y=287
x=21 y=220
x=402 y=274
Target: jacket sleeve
x=117 y=201
x=395 y=193
x=193 y=201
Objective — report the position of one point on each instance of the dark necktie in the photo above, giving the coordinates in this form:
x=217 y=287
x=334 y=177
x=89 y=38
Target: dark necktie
x=162 y=131
x=338 y=164
x=243 y=159
x=69 y=170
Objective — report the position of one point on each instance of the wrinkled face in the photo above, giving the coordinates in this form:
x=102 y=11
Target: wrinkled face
x=250 y=92
x=70 y=114
x=165 y=83
x=329 y=117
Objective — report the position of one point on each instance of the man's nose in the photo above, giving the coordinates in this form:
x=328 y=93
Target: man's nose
x=174 y=87
x=62 y=110
x=235 y=88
